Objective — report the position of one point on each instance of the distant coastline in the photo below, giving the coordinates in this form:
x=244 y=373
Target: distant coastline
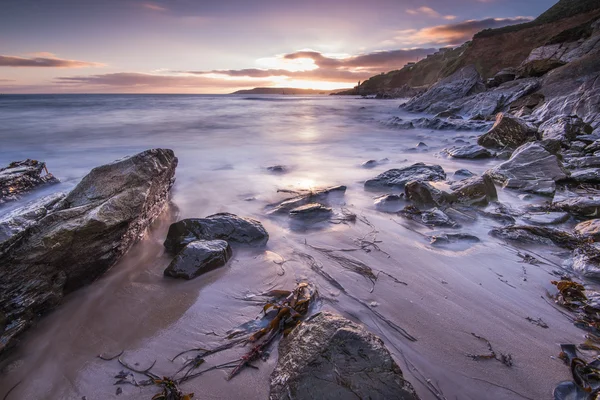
x=292 y=91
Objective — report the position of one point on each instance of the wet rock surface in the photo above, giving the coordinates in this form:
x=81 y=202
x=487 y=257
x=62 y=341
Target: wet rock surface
x=508 y=132
x=330 y=357
x=582 y=206
x=22 y=176
x=311 y=212
x=224 y=226
x=397 y=178
x=424 y=194
x=469 y=152
x=546 y=218
x=589 y=229
x=477 y=191
x=199 y=257
x=317 y=196
x=82 y=236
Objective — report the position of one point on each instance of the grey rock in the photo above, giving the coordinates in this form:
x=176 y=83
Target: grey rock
x=577 y=145
x=437 y=217
x=537 y=235
x=546 y=218
x=588 y=175
x=369 y=164
x=469 y=152
x=589 y=229
x=424 y=194
x=563 y=128
x=389 y=202
x=531 y=169
x=22 y=176
x=478 y=190
x=318 y=196
x=198 y=258
x=449 y=238
x=224 y=226
x=82 y=237
x=397 y=178
x=463 y=173
x=278 y=169
x=329 y=357
x=312 y=212
x=583 y=206
x=584 y=162
x=507 y=132
x=586 y=260
x=450 y=124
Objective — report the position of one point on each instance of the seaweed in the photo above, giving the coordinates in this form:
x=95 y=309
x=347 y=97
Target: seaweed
x=505 y=359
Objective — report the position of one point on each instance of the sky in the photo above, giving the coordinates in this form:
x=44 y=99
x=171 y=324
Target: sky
x=200 y=46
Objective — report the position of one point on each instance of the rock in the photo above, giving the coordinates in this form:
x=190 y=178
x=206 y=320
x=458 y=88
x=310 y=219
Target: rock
x=537 y=235
x=584 y=206
x=563 y=128
x=464 y=82
x=449 y=238
x=589 y=229
x=469 y=152
x=198 y=258
x=577 y=145
x=479 y=191
x=82 y=236
x=586 y=260
x=546 y=218
x=463 y=173
x=369 y=164
x=398 y=123
x=421 y=144
x=329 y=357
x=502 y=76
x=312 y=212
x=397 y=178
x=318 y=196
x=508 y=131
x=224 y=226
x=22 y=176
x=389 y=202
x=424 y=194
x=537 y=68
x=592 y=147
x=588 y=175
x=437 y=217
x=584 y=162
x=526 y=104
x=450 y=124
x=277 y=169
x=531 y=169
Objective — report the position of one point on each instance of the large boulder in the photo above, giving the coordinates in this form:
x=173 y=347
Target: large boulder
x=464 y=82
x=397 y=178
x=198 y=258
x=531 y=169
x=22 y=176
x=224 y=226
x=478 y=190
x=507 y=132
x=330 y=358
x=82 y=237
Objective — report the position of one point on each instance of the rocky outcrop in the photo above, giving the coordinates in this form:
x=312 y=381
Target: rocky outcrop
x=462 y=83
x=477 y=191
x=507 y=132
x=81 y=237
x=469 y=152
x=531 y=169
x=198 y=258
x=589 y=229
x=563 y=128
x=22 y=176
x=424 y=194
x=329 y=357
x=538 y=235
x=223 y=226
x=397 y=178
x=584 y=206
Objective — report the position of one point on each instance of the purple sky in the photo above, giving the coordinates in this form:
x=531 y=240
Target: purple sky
x=198 y=46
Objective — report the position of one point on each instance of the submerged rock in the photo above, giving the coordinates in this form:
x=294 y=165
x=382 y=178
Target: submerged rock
x=278 y=169
x=462 y=173
x=508 y=131
x=224 y=226
x=537 y=235
x=546 y=218
x=437 y=217
x=450 y=124
x=329 y=357
x=22 y=176
x=82 y=237
x=478 y=190
x=531 y=168
x=397 y=178
x=198 y=258
x=389 y=202
x=318 y=196
x=312 y=212
x=472 y=151
x=449 y=238
x=589 y=229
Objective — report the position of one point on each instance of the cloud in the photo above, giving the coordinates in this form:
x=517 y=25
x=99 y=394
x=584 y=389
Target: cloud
x=429 y=12
x=47 y=60
x=453 y=34
x=154 y=7
x=7 y=80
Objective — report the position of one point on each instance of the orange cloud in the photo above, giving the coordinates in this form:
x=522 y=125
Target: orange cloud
x=428 y=11
x=47 y=60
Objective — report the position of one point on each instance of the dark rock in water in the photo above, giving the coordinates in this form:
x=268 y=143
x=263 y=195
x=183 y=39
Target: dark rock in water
x=448 y=114
x=82 y=236
x=463 y=173
x=589 y=229
x=369 y=164
x=437 y=217
x=462 y=83
x=537 y=235
x=397 y=178
x=399 y=123
x=546 y=218
x=318 y=196
x=389 y=202
x=22 y=176
x=563 y=128
x=329 y=357
x=584 y=206
x=421 y=144
x=448 y=238
x=424 y=194
x=531 y=169
x=198 y=258
x=588 y=175
x=312 y=212
x=277 y=169
x=224 y=226
x=450 y=124
x=469 y=152
x=508 y=131
x=478 y=191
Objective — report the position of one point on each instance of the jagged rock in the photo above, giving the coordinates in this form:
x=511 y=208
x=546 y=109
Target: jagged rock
x=224 y=226
x=525 y=105
x=424 y=194
x=586 y=260
x=312 y=212
x=399 y=123
x=397 y=178
x=463 y=173
x=82 y=237
x=389 y=202
x=584 y=162
x=508 y=131
x=588 y=175
x=478 y=190
x=577 y=145
x=22 y=176
x=538 y=68
x=537 y=235
x=589 y=229
x=318 y=196
x=584 y=206
x=592 y=147
x=502 y=76
x=563 y=128
x=531 y=169
x=546 y=218
x=462 y=83
x=437 y=217
x=469 y=152
x=199 y=257
x=329 y=357
x=277 y=169
x=450 y=124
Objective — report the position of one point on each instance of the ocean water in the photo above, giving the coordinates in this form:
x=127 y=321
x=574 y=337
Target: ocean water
x=224 y=145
